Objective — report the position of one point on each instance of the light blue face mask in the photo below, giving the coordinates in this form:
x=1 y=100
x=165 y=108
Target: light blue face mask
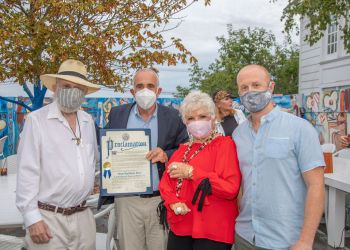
x=255 y=101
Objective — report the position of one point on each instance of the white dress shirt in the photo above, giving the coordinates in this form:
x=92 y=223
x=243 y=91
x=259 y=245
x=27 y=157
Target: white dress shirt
x=52 y=168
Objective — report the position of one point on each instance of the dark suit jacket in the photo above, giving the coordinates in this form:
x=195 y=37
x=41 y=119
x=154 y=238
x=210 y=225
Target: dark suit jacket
x=171 y=130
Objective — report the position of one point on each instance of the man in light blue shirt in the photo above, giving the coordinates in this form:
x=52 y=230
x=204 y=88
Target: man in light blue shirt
x=136 y=121
x=282 y=169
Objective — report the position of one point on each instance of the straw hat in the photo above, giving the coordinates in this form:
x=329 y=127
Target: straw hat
x=221 y=94
x=70 y=70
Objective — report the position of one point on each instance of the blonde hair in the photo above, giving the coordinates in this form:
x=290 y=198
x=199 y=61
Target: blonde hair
x=217 y=97
x=197 y=100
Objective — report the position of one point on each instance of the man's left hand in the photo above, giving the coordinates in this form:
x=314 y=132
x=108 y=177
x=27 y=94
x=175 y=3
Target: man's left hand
x=300 y=245
x=157 y=155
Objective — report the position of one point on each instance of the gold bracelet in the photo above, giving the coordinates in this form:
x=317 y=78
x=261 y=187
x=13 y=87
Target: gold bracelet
x=190 y=172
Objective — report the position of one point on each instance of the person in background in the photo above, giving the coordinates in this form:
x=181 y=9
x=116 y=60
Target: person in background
x=227 y=118
x=57 y=155
x=202 y=182
x=345 y=141
x=282 y=163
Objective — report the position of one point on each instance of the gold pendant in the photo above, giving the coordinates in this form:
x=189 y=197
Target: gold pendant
x=78 y=141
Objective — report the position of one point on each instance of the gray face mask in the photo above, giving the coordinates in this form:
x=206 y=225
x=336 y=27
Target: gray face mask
x=255 y=101
x=69 y=99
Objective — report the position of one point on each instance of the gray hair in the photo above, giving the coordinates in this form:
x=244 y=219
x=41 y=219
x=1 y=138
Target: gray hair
x=197 y=100
x=151 y=69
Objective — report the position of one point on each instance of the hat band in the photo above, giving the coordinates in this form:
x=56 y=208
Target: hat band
x=73 y=73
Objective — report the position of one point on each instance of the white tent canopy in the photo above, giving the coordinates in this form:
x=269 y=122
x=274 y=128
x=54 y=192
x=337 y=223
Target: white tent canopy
x=15 y=90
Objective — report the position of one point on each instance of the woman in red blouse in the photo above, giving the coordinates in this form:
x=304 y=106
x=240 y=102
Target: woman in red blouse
x=202 y=182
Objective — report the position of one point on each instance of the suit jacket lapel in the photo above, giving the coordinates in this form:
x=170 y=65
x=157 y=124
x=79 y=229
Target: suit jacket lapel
x=162 y=125
x=124 y=116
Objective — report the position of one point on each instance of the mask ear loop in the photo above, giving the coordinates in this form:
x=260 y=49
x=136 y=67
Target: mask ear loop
x=269 y=88
x=271 y=91
x=190 y=136
x=214 y=123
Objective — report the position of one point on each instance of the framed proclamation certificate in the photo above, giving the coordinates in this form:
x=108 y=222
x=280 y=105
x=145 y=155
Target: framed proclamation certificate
x=124 y=167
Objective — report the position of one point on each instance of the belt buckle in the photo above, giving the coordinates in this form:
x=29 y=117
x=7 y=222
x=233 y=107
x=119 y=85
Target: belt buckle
x=64 y=211
x=67 y=211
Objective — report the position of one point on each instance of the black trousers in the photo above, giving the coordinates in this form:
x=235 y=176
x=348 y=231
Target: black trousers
x=188 y=243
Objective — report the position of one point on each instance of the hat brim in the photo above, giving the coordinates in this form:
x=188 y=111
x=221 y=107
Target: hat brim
x=49 y=80
x=214 y=97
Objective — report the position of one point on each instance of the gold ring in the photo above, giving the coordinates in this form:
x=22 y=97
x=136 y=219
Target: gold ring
x=179 y=210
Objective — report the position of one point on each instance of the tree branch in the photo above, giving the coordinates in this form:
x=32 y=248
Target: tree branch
x=16 y=102
x=27 y=90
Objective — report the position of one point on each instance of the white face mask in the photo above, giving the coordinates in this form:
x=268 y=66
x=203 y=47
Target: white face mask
x=145 y=98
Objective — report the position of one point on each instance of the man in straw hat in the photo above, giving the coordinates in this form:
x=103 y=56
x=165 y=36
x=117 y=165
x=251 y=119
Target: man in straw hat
x=56 y=165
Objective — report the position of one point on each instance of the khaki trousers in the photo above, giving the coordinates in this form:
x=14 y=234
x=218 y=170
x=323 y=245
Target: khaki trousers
x=138 y=225
x=242 y=244
x=69 y=232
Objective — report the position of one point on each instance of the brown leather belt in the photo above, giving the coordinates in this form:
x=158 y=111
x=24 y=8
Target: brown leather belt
x=61 y=210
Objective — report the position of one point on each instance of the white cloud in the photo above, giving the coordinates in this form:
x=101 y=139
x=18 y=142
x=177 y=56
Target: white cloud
x=201 y=25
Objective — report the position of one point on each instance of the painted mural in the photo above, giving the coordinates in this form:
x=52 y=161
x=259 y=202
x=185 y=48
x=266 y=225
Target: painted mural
x=9 y=127
x=329 y=113
x=12 y=116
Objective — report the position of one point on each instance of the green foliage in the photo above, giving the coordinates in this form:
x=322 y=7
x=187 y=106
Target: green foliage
x=286 y=72
x=242 y=47
x=196 y=76
x=319 y=13
x=111 y=37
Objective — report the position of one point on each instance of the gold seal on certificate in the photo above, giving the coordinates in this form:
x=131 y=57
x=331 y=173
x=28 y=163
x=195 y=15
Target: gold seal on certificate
x=124 y=167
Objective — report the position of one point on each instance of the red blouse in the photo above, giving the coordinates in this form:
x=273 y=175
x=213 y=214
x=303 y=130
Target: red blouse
x=217 y=161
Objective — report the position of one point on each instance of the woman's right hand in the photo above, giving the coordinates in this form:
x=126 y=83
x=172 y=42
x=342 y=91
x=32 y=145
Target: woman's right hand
x=180 y=208
x=180 y=170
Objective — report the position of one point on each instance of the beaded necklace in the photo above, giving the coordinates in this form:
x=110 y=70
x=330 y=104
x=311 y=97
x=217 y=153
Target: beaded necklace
x=187 y=160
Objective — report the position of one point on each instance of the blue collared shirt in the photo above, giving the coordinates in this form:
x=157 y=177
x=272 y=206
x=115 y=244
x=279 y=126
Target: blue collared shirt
x=135 y=121
x=272 y=162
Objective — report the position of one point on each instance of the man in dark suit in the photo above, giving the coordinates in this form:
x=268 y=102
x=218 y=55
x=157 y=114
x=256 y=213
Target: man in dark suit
x=137 y=221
